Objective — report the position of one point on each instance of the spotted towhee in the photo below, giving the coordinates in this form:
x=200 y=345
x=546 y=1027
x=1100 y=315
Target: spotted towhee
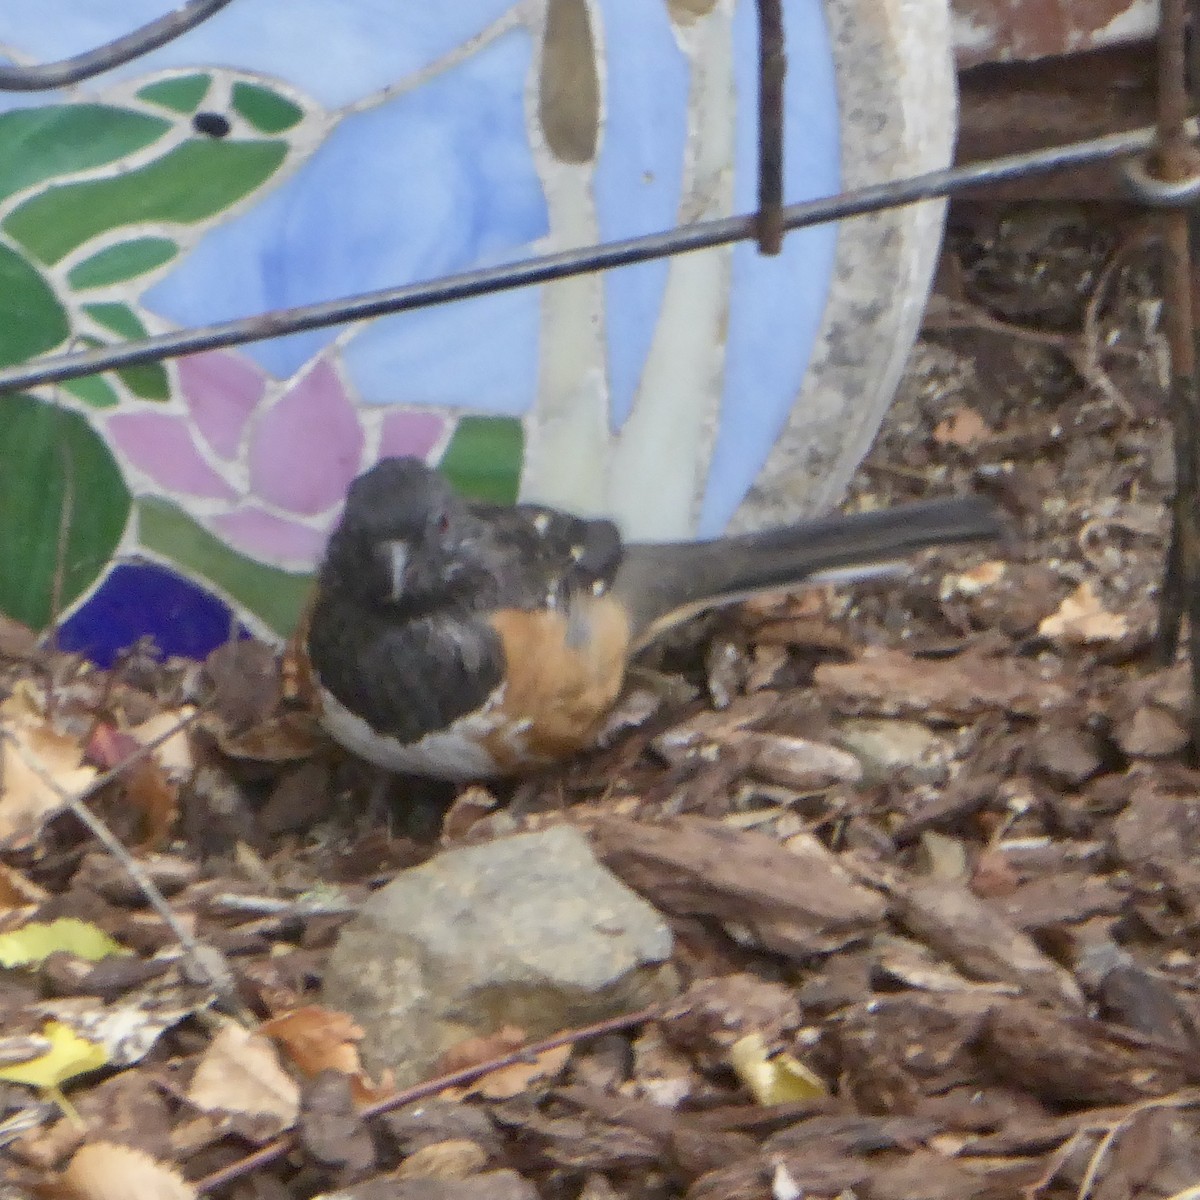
x=464 y=640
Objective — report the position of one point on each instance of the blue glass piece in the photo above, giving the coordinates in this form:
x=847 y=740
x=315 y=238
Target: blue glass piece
x=777 y=303
x=480 y=355
x=337 y=53
x=142 y=599
x=436 y=180
x=638 y=178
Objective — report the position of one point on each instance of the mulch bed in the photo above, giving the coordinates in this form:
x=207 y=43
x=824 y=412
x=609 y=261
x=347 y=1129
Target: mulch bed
x=929 y=848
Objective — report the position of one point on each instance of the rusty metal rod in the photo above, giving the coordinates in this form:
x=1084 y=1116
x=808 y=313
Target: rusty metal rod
x=44 y=76
x=1175 y=160
x=699 y=236
x=772 y=71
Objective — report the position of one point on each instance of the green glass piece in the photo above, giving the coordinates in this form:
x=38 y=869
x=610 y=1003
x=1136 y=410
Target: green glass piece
x=483 y=460
x=92 y=389
x=266 y=110
x=181 y=94
x=273 y=595
x=50 y=456
x=31 y=319
x=120 y=318
x=149 y=381
x=125 y=260
x=190 y=183
x=60 y=139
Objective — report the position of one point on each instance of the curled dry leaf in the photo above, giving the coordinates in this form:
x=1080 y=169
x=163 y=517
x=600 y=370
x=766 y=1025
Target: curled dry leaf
x=795 y=762
x=27 y=801
x=504 y=1082
x=240 y=1074
x=317 y=1038
x=107 y=1171
x=283 y=738
x=475 y=1051
x=1082 y=620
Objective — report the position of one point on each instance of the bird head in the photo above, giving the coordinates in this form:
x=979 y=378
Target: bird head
x=405 y=540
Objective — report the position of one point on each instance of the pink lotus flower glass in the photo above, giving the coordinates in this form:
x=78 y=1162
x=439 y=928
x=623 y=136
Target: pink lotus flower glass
x=264 y=465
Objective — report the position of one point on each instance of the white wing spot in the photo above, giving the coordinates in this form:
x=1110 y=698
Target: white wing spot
x=541 y=522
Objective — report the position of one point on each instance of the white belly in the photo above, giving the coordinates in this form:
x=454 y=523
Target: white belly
x=458 y=752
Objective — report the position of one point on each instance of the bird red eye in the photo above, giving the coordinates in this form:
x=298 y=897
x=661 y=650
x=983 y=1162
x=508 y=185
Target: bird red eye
x=443 y=524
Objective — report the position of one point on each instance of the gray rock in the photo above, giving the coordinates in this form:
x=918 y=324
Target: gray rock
x=887 y=747
x=527 y=930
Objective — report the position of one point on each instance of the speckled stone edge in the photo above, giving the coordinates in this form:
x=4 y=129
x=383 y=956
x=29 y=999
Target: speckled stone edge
x=898 y=98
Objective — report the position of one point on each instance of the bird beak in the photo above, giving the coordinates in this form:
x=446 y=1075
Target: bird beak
x=396 y=556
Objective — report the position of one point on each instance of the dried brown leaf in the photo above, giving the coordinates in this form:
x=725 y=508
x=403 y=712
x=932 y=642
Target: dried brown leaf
x=107 y=1171
x=1082 y=620
x=240 y=1075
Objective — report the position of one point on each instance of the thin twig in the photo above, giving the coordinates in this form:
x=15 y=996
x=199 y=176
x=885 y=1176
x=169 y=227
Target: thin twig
x=1179 y=1100
x=421 y=1091
x=302 y=908
x=124 y=49
x=1089 y=364
x=75 y=803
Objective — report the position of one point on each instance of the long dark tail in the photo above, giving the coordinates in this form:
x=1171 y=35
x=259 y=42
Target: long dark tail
x=664 y=583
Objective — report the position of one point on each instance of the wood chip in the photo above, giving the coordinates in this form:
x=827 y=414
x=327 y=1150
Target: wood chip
x=694 y=867
x=892 y=683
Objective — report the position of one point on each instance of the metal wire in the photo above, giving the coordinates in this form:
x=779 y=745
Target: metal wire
x=546 y=268
x=133 y=45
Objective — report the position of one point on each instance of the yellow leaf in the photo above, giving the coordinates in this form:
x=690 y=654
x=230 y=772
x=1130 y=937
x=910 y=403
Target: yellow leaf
x=773 y=1078
x=69 y=1055
x=36 y=941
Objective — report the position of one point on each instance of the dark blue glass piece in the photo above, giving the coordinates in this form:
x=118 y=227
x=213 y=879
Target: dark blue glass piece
x=141 y=599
